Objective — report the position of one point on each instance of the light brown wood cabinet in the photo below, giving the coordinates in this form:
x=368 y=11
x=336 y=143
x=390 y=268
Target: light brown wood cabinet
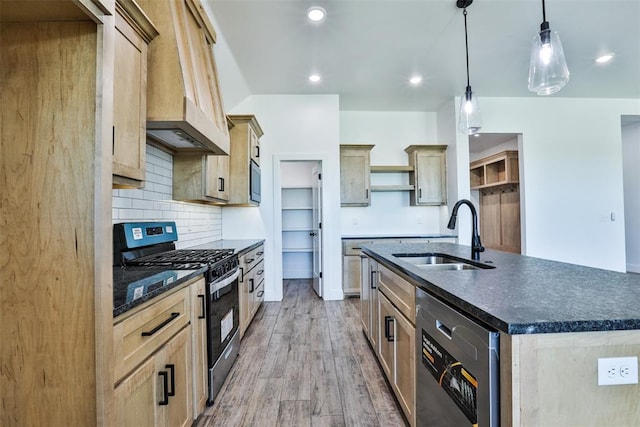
x=198 y=298
x=201 y=178
x=245 y=148
x=429 y=177
x=183 y=92
x=158 y=393
x=497 y=179
x=388 y=318
x=369 y=299
x=355 y=163
x=161 y=374
x=250 y=285
x=397 y=354
x=133 y=33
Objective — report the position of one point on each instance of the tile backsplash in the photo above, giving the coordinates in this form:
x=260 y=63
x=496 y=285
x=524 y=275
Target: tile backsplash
x=196 y=223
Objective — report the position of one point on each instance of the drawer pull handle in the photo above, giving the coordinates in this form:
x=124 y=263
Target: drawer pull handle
x=204 y=312
x=373 y=281
x=161 y=325
x=251 y=286
x=259 y=253
x=387 y=328
x=259 y=273
x=165 y=388
x=260 y=294
x=172 y=369
x=250 y=260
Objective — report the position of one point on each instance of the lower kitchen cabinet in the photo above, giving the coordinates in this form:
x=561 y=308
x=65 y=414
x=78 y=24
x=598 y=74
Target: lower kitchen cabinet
x=158 y=392
x=199 y=346
x=250 y=285
x=397 y=354
x=160 y=361
x=369 y=299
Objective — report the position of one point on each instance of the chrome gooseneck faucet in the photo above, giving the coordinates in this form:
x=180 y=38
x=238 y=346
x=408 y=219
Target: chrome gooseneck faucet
x=476 y=245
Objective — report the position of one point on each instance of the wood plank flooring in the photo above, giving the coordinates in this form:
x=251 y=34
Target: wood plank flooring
x=305 y=362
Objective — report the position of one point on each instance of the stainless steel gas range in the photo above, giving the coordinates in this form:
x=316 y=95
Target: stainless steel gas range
x=146 y=244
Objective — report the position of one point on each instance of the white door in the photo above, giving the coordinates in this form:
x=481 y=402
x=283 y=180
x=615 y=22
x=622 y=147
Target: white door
x=316 y=232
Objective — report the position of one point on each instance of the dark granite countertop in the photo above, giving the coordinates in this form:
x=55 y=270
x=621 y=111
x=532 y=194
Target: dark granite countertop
x=399 y=236
x=525 y=295
x=133 y=286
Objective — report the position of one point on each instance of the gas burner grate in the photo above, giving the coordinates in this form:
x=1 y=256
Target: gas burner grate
x=186 y=256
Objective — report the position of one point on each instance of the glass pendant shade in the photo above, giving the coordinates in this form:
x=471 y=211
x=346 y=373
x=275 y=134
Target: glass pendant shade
x=469 y=119
x=548 y=72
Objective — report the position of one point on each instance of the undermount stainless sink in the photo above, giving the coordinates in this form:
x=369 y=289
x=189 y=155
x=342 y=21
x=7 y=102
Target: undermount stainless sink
x=437 y=261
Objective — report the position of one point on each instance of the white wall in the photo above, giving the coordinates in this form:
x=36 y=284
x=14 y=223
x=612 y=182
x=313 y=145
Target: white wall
x=631 y=167
x=296 y=127
x=572 y=157
x=195 y=223
x=391 y=133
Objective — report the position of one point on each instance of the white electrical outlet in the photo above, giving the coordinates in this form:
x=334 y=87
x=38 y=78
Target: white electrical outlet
x=617 y=370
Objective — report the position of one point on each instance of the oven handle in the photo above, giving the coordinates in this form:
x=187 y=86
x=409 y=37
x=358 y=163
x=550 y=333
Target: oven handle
x=216 y=286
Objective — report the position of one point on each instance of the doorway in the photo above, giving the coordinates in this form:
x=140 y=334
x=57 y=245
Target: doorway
x=497 y=189
x=631 y=177
x=301 y=219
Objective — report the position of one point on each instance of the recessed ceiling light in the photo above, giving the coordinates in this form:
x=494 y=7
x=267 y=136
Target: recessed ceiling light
x=603 y=59
x=415 y=80
x=316 y=14
x=314 y=78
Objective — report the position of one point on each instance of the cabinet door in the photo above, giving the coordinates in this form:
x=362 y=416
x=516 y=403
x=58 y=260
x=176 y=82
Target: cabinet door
x=137 y=397
x=351 y=274
x=404 y=365
x=129 y=100
x=175 y=359
x=217 y=177
x=365 y=296
x=199 y=346
x=244 y=283
x=387 y=327
x=430 y=171
x=254 y=146
x=354 y=177
x=373 y=303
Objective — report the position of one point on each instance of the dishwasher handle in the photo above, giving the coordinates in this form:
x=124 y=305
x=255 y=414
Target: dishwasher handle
x=444 y=329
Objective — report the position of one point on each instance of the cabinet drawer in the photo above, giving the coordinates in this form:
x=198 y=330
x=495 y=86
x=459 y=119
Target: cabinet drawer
x=249 y=260
x=400 y=292
x=139 y=336
x=352 y=247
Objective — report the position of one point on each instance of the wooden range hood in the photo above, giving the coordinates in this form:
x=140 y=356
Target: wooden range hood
x=184 y=105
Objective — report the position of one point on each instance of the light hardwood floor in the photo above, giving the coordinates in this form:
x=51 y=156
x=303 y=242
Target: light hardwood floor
x=305 y=362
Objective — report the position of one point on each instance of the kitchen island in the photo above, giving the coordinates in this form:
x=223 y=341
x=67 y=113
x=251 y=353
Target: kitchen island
x=555 y=320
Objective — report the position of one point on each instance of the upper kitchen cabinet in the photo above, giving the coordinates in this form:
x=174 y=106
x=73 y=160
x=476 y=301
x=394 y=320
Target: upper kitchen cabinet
x=355 y=163
x=244 y=160
x=201 y=178
x=429 y=177
x=133 y=33
x=184 y=105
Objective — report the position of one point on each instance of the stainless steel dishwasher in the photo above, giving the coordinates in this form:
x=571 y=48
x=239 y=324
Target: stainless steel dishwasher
x=457 y=368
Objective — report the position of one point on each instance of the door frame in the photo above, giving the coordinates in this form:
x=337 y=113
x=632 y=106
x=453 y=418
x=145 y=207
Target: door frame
x=323 y=159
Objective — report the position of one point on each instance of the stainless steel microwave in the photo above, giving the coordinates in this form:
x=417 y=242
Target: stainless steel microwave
x=254 y=182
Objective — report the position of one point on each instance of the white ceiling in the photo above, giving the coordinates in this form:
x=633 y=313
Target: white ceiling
x=366 y=50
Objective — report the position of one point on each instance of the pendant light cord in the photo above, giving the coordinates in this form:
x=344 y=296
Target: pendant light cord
x=466 y=42
x=544 y=13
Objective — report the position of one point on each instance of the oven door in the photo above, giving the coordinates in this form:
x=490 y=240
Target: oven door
x=224 y=314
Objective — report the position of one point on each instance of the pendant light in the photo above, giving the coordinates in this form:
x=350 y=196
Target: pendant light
x=469 y=120
x=548 y=72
